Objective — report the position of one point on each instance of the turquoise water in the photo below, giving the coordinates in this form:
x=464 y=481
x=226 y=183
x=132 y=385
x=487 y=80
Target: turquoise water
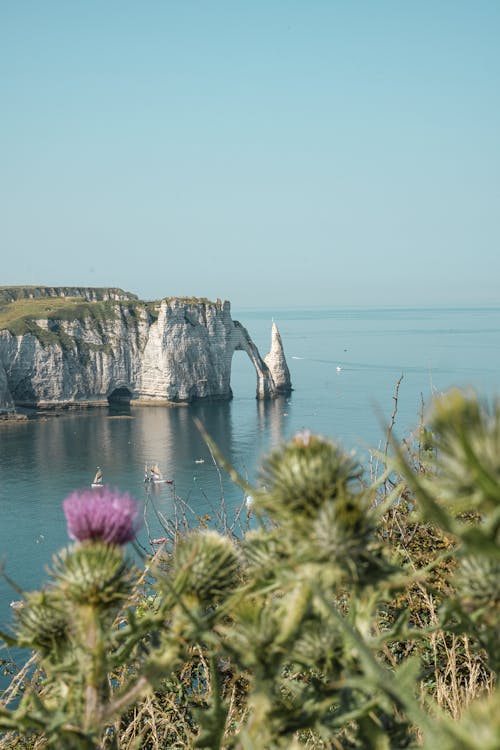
x=43 y=460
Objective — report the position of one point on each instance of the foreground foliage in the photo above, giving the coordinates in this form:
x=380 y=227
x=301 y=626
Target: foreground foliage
x=352 y=615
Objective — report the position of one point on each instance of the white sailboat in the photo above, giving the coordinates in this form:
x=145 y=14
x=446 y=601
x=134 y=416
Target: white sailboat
x=153 y=474
x=98 y=479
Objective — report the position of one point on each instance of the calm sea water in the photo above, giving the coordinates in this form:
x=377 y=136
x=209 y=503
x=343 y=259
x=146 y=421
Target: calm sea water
x=344 y=365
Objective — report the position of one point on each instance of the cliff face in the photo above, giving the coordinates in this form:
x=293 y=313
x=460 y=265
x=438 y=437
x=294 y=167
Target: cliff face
x=175 y=350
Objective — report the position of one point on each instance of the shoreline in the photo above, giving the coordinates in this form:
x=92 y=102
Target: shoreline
x=46 y=410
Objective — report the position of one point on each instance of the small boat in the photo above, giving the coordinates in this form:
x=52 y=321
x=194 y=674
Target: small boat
x=98 y=479
x=153 y=475
x=199 y=460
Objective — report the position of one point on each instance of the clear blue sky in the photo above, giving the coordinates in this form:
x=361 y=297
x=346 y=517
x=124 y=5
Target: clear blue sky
x=270 y=153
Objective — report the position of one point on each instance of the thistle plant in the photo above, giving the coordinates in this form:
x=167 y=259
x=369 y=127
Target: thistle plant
x=466 y=441
x=205 y=567
x=313 y=490
x=306 y=473
x=310 y=631
x=43 y=624
x=69 y=622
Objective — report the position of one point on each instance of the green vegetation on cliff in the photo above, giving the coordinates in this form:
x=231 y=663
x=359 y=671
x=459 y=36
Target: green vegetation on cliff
x=22 y=307
x=19 y=317
x=12 y=293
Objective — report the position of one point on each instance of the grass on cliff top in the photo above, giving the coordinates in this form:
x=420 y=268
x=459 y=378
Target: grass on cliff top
x=39 y=291
x=24 y=309
x=18 y=316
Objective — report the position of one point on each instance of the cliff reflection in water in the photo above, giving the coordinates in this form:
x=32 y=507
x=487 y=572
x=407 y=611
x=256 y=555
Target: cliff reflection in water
x=50 y=457
x=170 y=437
x=43 y=460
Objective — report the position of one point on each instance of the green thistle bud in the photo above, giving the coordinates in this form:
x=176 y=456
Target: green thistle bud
x=94 y=574
x=342 y=528
x=264 y=550
x=456 y=411
x=206 y=566
x=42 y=623
x=320 y=648
x=478 y=580
x=466 y=437
x=303 y=475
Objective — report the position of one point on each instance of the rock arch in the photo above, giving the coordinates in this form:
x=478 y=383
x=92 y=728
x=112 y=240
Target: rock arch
x=266 y=385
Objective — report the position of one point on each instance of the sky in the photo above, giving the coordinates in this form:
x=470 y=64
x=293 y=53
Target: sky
x=273 y=153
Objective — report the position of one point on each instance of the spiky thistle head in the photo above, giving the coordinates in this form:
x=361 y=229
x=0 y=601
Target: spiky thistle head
x=320 y=647
x=466 y=438
x=304 y=474
x=94 y=574
x=264 y=551
x=342 y=530
x=42 y=623
x=205 y=565
x=106 y=515
x=478 y=580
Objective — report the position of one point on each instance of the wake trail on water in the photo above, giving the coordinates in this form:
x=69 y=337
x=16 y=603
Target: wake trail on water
x=365 y=366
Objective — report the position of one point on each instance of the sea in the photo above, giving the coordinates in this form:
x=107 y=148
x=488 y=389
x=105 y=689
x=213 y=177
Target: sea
x=345 y=365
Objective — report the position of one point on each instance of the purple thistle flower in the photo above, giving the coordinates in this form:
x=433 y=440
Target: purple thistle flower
x=109 y=515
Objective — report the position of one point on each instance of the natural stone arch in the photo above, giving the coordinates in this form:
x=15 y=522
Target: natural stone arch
x=243 y=342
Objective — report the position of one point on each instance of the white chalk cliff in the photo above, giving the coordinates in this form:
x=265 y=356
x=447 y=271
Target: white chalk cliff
x=176 y=350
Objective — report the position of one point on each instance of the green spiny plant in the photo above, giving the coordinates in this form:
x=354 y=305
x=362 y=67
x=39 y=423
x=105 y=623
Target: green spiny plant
x=351 y=616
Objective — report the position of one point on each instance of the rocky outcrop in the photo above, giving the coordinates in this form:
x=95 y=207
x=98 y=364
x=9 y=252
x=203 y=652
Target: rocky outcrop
x=176 y=350
x=277 y=365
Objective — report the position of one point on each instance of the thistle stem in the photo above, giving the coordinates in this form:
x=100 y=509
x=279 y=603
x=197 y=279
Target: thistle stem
x=94 y=672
